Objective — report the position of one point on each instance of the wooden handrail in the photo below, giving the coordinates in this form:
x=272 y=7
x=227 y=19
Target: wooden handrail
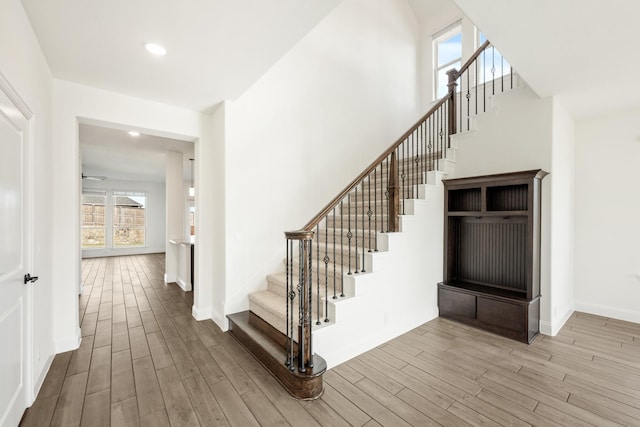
x=336 y=200
x=473 y=57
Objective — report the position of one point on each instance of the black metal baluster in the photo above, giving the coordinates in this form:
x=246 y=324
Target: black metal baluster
x=445 y=122
x=484 y=81
x=375 y=207
x=362 y=268
x=420 y=152
x=287 y=362
x=310 y=302
x=493 y=70
x=416 y=160
x=349 y=234
x=385 y=193
x=423 y=149
x=356 y=233
x=511 y=73
x=334 y=252
x=429 y=146
x=301 y=276
x=369 y=212
x=410 y=166
x=440 y=141
x=501 y=73
x=318 y=275
x=292 y=296
x=468 y=101
x=460 y=104
x=436 y=155
x=402 y=176
x=341 y=248
x=326 y=269
x=475 y=63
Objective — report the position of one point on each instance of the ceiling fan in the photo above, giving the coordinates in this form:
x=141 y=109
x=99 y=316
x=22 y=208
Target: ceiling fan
x=94 y=177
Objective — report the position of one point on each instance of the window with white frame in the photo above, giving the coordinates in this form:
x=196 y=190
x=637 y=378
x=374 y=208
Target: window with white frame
x=129 y=218
x=121 y=212
x=447 y=54
x=93 y=234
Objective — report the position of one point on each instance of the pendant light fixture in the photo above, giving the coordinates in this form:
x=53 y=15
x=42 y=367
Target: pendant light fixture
x=192 y=189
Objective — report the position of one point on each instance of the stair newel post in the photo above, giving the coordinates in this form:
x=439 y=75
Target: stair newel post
x=303 y=292
x=453 y=76
x=393 y=188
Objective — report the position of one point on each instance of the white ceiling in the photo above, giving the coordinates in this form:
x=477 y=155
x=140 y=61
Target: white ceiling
x=119 y=156
x=427 y=9
x=584 y=51
x=216 y=48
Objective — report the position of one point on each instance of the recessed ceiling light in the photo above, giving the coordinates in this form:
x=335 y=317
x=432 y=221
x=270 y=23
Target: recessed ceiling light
x=155 y=49
x=133 y=133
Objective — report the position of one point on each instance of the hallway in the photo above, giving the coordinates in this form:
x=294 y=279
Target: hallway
x=145 y=361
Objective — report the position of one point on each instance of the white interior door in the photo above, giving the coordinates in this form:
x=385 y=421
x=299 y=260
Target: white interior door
x=15 y=296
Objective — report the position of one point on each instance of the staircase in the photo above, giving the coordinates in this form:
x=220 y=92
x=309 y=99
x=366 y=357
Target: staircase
x=364 y=269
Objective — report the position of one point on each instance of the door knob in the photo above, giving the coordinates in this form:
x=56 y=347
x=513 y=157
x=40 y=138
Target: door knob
x=28 y=278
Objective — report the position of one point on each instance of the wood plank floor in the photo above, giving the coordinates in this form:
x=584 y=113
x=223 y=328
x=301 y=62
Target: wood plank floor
x=145 y=361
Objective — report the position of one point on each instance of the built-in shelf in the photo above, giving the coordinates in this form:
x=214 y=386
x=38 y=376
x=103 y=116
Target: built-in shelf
x=492 y=253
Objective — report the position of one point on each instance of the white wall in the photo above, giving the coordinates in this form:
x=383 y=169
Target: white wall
x=562 y=227
x=24 y=66
x=174 y=217
x=309 y=126
x=155 y=216
x=73 y=103
x=211 y=238
x=607 y=208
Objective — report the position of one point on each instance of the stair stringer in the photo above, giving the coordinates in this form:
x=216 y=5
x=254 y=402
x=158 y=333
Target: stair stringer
x=400 y=292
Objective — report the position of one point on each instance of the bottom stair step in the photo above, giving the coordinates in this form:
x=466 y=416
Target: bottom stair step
x=268 y=346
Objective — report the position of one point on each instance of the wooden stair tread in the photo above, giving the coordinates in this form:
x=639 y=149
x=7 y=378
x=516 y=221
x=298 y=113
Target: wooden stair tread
x=268 y=346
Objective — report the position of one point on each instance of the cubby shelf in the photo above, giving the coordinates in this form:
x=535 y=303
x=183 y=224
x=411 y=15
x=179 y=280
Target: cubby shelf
x=492 y=253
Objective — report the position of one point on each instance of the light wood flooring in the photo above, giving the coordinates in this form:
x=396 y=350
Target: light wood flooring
x=145 y=361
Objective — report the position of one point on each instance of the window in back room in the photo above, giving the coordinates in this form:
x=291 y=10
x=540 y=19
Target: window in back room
x=129 y=218
x=93 y=219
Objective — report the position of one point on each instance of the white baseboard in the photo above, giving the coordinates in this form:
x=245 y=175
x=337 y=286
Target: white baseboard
x=183 y=285
x=37 y=385
x=206 y=313
x=169 y=278
x=201 y=313
x=552 y=329
x=220 y=320
x=69 y=343
x=608 y=311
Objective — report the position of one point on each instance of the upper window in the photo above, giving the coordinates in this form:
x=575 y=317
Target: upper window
x=129 y=218
x=93 y=220
x=447 y=54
